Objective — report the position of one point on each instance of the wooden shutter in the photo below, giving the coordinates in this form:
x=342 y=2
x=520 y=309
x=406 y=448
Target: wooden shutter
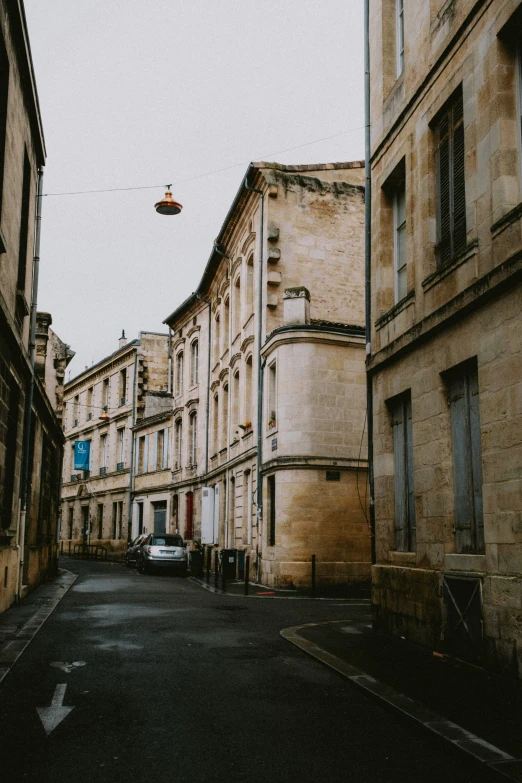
x=444 y=192
x=467 y=461
x=405 y=520
x=459 y=196
x=451 y=182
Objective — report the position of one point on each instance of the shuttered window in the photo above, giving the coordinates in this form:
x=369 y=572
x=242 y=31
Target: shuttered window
x=405 y=524
x=399 y=228
x=463 y=395
x=450 y=187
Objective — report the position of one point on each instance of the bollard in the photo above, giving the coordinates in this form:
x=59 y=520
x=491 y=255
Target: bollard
x=216 y=564
x=247 y=572
x=313 y=572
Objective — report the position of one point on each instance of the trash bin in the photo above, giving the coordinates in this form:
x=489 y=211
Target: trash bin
x=196 y=563
x=229 y=562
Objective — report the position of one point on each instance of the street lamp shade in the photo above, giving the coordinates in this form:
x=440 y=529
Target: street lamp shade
x=168 y=206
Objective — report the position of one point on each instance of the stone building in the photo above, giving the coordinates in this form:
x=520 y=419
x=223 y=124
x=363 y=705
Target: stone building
x=281 y=300
x=108 y=405
x=446 y=306
x=30 y=432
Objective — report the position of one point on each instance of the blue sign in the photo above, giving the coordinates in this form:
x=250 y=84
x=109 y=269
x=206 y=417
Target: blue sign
x=82 y=454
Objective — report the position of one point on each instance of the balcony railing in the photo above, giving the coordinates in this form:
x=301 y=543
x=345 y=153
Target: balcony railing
x=103 y=471
x=120 y=466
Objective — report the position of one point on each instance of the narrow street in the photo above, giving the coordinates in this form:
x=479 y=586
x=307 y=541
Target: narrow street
x=163 y=680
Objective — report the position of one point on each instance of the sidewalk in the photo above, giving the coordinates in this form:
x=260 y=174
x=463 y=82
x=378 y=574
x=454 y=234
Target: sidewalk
x=478 y=711
x=20 y=623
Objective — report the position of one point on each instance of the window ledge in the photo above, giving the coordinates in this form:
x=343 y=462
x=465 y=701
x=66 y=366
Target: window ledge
x=473 y=563
x=460 y=259
x=507 y=220
x=390 y=314
x=403 y=558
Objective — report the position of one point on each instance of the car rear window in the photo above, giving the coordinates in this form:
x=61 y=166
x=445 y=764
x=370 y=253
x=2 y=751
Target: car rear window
x=167 y=541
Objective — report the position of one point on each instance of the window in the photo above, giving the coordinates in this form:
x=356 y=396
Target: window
x=194 y=355
x=89 y=403
x=248 y=391
x=451 y=197
x=226 y=326
x=100 y=521
x=519 y=110
x=271 y=511
x=105 y=395
x=120 y=464
x=21 y=307
x=103 y=454
x=114 y=519
x=215 y=424
x=399 y=246
x=178 y=444
x=4 y=90
x=250 y=286
x=399 y=27
x=142 y=461
x=224 y=419
x=123 y=386
x=161 y=455
x=405 y=524
x=237 y=308
x=272 y=395
x=247 y=501
x=217 y=339
x=193 y=440
x=76 y=410
x=463 y=397
x=179 y=373
x=235 y=405
x=9 y=410
x=71 y=521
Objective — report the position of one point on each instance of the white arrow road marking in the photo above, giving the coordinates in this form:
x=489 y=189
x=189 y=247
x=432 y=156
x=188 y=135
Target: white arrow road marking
x=53 y=715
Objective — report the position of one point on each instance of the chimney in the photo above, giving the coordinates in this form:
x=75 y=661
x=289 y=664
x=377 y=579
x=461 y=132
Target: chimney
x=296 y=306
x=123 y=339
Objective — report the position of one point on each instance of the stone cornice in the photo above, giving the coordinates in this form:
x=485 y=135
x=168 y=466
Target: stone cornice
x=246 y=342
x=236 y=357
x=309 y=335
x=194 y=330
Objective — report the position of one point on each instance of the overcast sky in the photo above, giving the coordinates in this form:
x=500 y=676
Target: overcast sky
x=138 y=94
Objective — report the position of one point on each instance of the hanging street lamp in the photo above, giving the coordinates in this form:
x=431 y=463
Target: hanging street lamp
x=168 y=206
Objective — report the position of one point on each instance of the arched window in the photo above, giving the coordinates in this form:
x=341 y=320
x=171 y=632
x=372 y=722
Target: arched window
x=226 y=326
x=234 y=410
x=236 y=325
x=217 y=339
x=248 y=390
x=193 y=446
x=250 y=286
x=194 y=359
x=215 y=424
x=178 y=444
x=179 y=373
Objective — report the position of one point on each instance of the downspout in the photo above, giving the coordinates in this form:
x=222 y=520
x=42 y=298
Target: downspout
x=227 y=434
x=169 y=379
x=131 y=464
x=259 y=487
x=30 y=393
x=207 y=403
x=368 y=269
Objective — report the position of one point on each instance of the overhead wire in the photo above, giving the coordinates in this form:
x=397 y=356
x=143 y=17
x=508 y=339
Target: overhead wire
x=204 y=174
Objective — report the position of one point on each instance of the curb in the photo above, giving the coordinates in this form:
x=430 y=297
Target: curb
x=201 y=583
x=481 y=750
x=12 y=650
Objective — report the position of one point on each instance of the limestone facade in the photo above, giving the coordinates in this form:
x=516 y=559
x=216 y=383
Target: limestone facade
x=446 y=302
x=107 y=405
x=29 y=404
x=293 y=302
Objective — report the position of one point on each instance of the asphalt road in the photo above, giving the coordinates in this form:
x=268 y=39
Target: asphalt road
x=174 y=683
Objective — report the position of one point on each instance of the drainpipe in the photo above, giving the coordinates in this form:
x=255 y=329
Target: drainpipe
x=207 y=403
x=30 y=392
x=259 y=487
x=368 y=268
x=169 y=380
x=131 y=465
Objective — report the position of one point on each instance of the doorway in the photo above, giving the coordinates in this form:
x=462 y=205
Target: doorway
x=160 y=517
